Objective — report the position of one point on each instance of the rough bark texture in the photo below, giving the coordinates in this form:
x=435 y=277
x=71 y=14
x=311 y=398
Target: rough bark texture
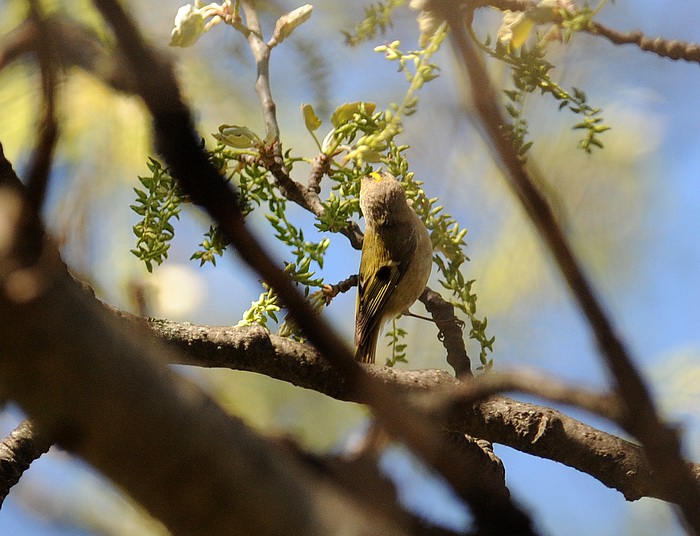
x=536 y=430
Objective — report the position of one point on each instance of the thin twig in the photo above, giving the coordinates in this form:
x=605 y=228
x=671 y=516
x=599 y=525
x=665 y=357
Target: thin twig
x=662 y=443
x=271 y=156
x=321 y=166
x=666 y=48
x=331 y=291
x=261 y=53
x=532 y=429
x=303 y=196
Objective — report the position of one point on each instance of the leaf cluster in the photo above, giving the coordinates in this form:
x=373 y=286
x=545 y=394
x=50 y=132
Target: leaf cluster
x=157 y=204
x=213 y=246
x=375 y=22
x=398 y=348
x=530 y=72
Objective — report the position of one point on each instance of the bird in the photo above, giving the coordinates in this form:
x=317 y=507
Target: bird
x=396 y=260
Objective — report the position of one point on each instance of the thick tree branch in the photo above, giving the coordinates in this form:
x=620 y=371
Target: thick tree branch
x=17 y=451
x=533 y=429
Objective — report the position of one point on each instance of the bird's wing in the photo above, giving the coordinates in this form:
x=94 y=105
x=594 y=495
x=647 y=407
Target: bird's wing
x=378 y=280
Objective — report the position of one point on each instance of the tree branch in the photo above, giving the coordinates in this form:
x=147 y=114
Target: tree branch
x=270 y=155
x=474 y=390
x=17 y=451
x=451 y=330
x=101 y=389
x=662 y=444
x=665 y=48
x=178 y=142
x=536 y=430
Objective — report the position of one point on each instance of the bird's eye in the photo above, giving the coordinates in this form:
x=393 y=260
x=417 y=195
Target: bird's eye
x=384 y=273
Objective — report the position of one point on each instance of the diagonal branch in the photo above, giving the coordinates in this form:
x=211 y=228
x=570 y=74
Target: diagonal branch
x=661 y=443
x=665 y=48
x=535 y=430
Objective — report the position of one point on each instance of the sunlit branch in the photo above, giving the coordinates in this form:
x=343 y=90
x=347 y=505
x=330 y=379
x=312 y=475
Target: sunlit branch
x=17 y=451
x=532 y=429
x=661 y=443
x=666 y=48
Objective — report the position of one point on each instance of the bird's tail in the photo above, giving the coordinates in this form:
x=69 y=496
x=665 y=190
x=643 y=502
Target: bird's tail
x=367 y=348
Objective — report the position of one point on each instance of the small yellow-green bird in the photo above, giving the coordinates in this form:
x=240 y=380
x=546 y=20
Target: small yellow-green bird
x=397 y=256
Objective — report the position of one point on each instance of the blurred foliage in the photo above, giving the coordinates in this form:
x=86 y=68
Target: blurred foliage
x=377 y=20
x=319 y=422
x=80 y=500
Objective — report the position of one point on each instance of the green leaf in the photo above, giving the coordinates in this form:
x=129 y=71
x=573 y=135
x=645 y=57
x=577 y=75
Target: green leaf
x=345 y=112
x=311 y=120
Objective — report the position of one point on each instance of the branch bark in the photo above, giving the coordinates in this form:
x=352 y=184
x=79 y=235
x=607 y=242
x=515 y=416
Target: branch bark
x=529 y=428
x=673 y=49
x=18 y=450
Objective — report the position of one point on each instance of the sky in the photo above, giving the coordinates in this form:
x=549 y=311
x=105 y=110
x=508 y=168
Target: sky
x=631 y=215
